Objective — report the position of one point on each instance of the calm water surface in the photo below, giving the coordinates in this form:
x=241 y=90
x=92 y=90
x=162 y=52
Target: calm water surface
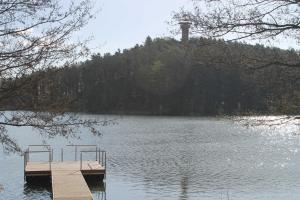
x=182 y=158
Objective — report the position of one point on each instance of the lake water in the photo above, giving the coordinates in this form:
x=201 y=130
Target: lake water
x=184 y=158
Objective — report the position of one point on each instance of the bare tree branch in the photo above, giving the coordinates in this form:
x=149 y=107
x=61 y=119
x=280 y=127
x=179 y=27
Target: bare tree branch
x=36 y=36
x=245 y=19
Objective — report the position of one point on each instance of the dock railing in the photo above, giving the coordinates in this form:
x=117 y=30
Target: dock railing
x=100 y=155
x=76 y=146
x=30 y=151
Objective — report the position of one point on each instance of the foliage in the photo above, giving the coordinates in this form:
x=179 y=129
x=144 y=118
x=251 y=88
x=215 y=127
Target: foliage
x=164 y=76
x=247 y=19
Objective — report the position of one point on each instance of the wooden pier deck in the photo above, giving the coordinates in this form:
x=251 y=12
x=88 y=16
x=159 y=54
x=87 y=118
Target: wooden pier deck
x=68 y=184
x=67 y=177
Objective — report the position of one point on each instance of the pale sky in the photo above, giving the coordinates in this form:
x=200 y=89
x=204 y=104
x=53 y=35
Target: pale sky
x=121 y=24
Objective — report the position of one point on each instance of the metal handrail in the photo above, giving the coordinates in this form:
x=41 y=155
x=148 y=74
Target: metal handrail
x=85 y=151
x=50 y=151
x=80 y=145
x=37 y=151
x=39 y=145
x=86 y=145
x=100 y=155
x=28 y=151
x=88 y=151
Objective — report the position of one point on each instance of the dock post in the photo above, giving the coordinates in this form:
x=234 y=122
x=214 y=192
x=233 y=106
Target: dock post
x=96 y=153
x=102 y=158
x=105 y=165
x=50 y=160
x=28 y=154
x=99 y=156
x=25 y=157
x=51 y=155
x=62 y=155
x=105 y=160
x=80 y=160
x=75 y=153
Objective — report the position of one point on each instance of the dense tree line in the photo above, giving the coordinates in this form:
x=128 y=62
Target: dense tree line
x=164 y=76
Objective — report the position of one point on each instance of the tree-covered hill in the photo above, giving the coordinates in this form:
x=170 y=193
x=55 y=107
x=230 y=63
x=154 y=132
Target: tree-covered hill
x=165 y=76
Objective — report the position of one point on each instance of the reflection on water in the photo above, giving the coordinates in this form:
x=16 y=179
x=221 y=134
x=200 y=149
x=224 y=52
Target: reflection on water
x=35 y=190
x=184 y=188
x=185 y=158
x=98 y=188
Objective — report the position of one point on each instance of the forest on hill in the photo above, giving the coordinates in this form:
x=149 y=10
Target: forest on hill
x=166 y=77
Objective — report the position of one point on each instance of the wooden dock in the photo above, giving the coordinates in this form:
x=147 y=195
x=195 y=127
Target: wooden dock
x=67 y=177
x=68 y=184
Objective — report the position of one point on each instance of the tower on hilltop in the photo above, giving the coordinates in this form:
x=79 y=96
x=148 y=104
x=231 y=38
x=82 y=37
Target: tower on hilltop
x=185 y=25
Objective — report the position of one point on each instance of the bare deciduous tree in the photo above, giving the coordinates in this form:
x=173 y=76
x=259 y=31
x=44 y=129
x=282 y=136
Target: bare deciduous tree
x=37 y=35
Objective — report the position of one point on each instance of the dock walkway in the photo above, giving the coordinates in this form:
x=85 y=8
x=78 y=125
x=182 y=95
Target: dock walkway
x=67 y=177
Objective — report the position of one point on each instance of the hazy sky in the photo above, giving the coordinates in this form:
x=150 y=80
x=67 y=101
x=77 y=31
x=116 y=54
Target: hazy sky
x=124 y=23
x=121 y=24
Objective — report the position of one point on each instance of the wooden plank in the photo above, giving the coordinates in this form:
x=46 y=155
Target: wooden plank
x=37 y=169
x=75 y=165
x=69 y=165
x=37 y=166
x=69 y=185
